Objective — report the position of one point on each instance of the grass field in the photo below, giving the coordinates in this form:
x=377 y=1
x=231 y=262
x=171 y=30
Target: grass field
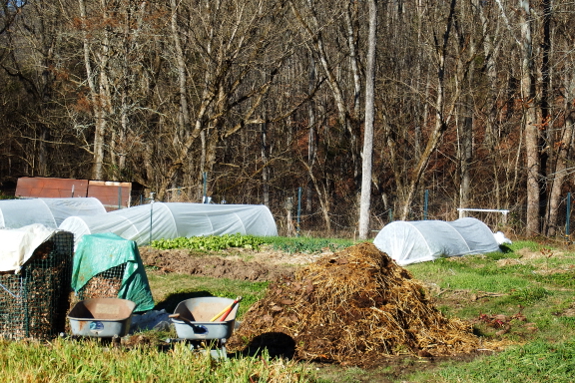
x=523 y=296
x=530 y=286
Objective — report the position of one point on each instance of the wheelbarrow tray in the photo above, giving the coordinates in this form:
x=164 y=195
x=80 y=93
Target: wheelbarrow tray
x=101 y=317
x=198 y=312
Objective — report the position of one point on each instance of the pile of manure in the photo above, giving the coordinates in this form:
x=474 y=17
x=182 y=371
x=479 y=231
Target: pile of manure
x=353 y=307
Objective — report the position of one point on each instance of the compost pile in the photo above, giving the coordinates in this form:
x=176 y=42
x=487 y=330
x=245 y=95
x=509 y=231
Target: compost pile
x=353 y=307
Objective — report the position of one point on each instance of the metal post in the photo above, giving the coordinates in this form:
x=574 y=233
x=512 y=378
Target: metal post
x=151 y=214
x=298 y=210
x=119 y=197
x=568 y=218
x=426 y=199
x=205 y=188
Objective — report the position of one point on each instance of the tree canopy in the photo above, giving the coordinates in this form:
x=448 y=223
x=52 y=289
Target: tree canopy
x=473 y=103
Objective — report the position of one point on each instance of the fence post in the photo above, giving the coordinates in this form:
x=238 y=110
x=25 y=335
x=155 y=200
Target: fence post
x=151 y=214
x=298 y=210
x=568 y=218
x=205 y=196
x=426 y=198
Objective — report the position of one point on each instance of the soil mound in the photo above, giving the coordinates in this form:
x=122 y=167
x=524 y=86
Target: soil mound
x=353 y=307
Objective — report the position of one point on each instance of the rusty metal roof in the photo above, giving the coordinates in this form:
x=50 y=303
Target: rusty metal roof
x=39 y=187
x=113 y=195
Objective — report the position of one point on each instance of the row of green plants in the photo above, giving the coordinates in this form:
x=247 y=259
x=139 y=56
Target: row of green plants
x=210 y=242
x=307 y=244
x=221 y=242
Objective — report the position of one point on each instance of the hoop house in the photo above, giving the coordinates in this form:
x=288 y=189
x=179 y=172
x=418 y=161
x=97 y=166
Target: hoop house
x=158 y=220
x=421 y=241
x=50 y=212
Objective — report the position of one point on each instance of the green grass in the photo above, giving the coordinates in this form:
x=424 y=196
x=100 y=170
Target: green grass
x=565 y=280
x=473 y=273
x=530 y=284
x=478 y=282
x=66 y=360
x=519 y=245
x=535 y=362
x=533 y=280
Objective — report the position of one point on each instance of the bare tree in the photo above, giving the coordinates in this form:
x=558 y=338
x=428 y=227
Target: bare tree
x=559 y=120
x=368 y=128
x=230 y=38
x=529 y=119
x=443 y=113
x=308 y=14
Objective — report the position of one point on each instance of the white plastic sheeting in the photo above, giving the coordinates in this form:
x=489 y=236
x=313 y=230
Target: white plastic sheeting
x=50 y=212
x=19 y=244
x=420 y=241
x=172 y=220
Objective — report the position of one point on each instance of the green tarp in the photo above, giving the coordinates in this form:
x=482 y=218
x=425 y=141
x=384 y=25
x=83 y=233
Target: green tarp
x=97 y=253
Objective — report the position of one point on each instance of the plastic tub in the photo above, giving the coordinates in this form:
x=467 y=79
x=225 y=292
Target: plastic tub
x=101 y=317
x=197 y=313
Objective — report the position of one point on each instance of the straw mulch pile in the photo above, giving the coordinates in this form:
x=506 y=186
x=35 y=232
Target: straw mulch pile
x=353 y=308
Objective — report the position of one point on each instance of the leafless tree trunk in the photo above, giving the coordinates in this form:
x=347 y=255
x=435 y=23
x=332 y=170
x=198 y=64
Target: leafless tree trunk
x=529 y=120
x=560 y=175
x=313 y=31
x=184 y=115
x=443 y=114
x=311 y=144
x=265 y=169
x=466 y=54
x=368 y=128
x=561 y=147
x=97 y=97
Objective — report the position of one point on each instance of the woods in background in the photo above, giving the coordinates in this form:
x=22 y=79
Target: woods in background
x=473 y=103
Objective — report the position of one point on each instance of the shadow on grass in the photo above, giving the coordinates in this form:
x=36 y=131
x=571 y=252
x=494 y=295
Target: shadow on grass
x=277 y=345
x=169 y=304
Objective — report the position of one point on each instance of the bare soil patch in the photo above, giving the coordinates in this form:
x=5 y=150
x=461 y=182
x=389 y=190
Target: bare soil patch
x=264 y=265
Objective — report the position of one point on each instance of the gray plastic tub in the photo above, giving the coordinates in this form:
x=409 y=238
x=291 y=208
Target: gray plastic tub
x=198 y=312
x=101 y=317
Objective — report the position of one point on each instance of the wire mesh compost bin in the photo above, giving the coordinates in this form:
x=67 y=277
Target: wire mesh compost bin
x=106 y=284
x=34 y=300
